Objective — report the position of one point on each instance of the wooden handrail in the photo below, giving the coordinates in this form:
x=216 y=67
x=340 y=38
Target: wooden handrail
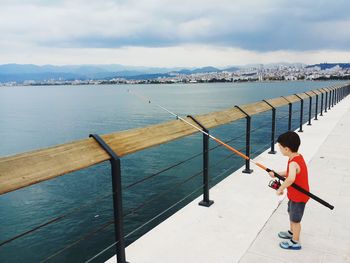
x=29 y=168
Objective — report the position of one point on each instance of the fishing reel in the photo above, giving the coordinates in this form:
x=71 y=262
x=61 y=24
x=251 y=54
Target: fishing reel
x=275 y=184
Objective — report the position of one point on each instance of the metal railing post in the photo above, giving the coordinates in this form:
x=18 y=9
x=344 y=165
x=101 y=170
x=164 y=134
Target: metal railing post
x=273 y=128
x=247 y=169
x=206 y=201
x=289 y=113
x=336 y=96
x=316 y=108
x=345 y=89
x=321 y=113
x=310 y=108
x=333 y=96
x=301 y=113
x=341 y=93
x=117 y=199
x=325 y=101
x=330 y=99
x=290 y=116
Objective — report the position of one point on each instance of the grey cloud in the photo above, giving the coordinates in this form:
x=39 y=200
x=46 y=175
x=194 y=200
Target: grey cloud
x=254 y=25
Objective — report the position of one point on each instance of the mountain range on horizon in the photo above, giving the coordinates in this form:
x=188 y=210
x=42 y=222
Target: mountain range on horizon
x=24 y=72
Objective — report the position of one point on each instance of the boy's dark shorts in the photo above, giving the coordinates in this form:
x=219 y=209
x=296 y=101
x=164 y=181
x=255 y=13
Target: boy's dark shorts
x=296 y=211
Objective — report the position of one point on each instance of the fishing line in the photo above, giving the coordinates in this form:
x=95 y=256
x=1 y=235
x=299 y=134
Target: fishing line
x=297 y=187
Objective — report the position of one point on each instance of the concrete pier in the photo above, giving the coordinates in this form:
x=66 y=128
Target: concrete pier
x=243 y=223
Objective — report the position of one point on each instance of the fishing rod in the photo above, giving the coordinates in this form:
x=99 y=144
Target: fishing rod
x=275 y=184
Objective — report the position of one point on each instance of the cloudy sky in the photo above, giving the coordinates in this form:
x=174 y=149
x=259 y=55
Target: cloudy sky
x=170 y=33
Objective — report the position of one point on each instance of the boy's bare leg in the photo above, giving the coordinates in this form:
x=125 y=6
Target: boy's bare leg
x=295 y=228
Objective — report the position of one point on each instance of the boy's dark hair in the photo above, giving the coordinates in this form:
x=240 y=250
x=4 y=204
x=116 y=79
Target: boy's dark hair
x=289 y=139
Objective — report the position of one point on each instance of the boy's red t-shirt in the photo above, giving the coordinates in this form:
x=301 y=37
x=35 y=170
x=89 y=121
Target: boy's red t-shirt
x=301 y=179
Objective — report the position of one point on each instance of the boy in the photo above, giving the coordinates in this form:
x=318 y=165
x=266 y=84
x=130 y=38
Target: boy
x=296 y=173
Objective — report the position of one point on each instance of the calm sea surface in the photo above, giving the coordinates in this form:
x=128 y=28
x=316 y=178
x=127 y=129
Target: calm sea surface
x=38 y=117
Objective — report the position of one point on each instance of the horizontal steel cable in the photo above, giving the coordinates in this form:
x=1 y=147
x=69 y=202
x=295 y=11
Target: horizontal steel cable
x=196 y=155
x=225 y=158
x=109 y=223
x=87 y=236
x=212 y=179
x=55 y=220
x=143 y=225
x=267 y=145
x=187 y=196
x=131 y=211
x=179 y=163
x=230 y=168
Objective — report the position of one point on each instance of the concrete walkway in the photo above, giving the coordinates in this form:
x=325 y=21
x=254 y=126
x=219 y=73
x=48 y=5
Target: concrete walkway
x=243 y=223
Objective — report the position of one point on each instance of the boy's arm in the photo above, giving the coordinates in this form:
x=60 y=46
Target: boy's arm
x=290 y=179
x=283 y=173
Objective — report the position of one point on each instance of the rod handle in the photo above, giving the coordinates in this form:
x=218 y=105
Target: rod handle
x=300 y=189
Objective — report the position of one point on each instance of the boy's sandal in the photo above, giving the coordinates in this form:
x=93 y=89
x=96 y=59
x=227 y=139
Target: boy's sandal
x=290 y=245
x=285 y=235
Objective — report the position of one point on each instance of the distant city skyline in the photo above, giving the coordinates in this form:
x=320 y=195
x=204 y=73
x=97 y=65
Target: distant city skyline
x=15 y=74
x=169 y=33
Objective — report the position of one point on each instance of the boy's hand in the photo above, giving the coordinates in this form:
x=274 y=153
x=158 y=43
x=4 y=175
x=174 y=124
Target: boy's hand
x=272 y=174
x=279 y=191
